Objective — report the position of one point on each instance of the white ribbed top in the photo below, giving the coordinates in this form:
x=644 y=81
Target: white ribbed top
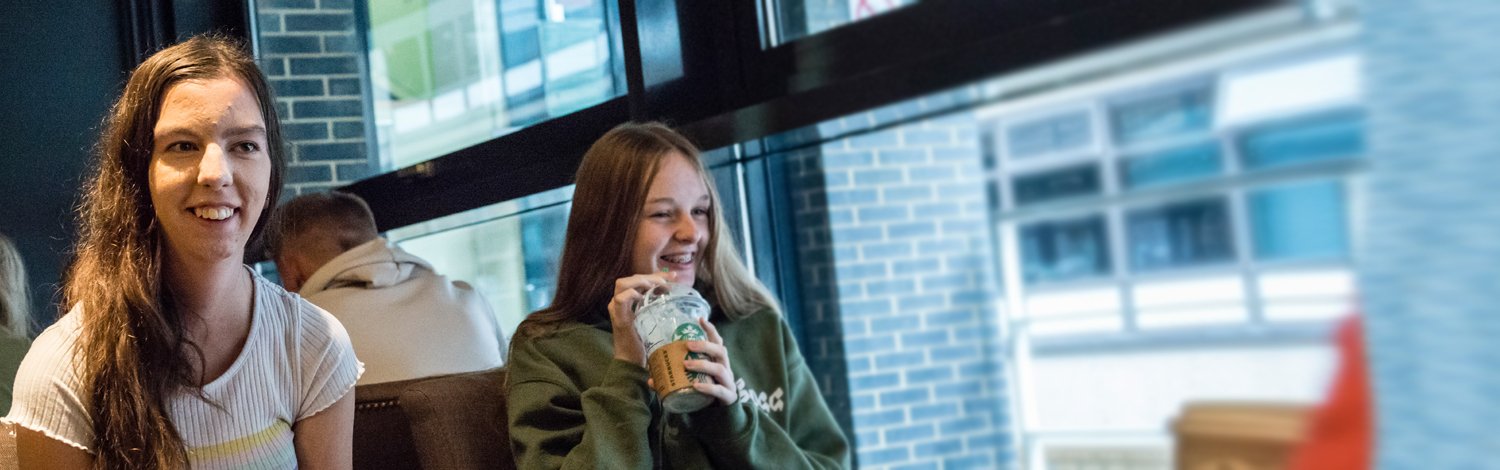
x=296 y=362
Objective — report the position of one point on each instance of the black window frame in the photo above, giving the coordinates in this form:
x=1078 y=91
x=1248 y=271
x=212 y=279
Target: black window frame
x=734 y=89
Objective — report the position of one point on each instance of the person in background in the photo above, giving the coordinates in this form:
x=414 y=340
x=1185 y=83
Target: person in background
x=406 y=320
x=645 y=213
x=175 y=354
x=15 y=317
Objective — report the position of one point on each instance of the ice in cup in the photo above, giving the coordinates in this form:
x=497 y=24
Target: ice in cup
x=666 y=320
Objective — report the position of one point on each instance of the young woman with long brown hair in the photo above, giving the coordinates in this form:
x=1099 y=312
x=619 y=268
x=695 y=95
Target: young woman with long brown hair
x=174 y=353
x=645 y=213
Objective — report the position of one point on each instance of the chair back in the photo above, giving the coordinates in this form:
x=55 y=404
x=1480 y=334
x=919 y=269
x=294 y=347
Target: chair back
x=382 y=432
x=458 y=421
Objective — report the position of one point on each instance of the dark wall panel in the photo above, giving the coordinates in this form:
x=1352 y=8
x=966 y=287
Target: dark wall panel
x=61 y=65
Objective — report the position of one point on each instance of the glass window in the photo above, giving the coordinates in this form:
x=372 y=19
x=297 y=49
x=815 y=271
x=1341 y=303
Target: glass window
x=1172 y=166
x=508 y=251
x=1302 y=220
x=447 y=74
x=1064 y=249
x=1319 y=138
x=883 y=242
x=1053 y=134
x=1056 y=184
x=795 y=19
x=1180 y=234
x=1178 y=114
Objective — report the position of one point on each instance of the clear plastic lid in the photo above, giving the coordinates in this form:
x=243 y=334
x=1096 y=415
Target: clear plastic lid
x=664 y=310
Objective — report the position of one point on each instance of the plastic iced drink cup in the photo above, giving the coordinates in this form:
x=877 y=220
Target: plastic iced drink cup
x=666 y=320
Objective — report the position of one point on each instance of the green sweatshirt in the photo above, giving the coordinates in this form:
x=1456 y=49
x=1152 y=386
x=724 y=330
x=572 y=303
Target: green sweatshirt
x=572 y=405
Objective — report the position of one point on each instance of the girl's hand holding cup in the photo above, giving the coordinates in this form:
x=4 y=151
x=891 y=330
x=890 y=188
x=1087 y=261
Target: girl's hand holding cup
x=629 y=292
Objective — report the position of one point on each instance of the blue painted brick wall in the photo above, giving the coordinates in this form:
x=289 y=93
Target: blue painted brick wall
x=310 y=51
x=1430 y=262
x=898 y=219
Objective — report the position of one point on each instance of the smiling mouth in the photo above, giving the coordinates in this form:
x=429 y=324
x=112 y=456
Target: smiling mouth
x=678 y=259
x=213 y=213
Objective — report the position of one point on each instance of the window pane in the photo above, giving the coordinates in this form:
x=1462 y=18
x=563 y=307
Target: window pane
x=885 y=247
x=1305 y=220
x=727 y=181
x=1066 y=249
x=1172 y=166
x=1056 y=184
x=541 y=249
x=1305 y=140
x=799 y=18
x=1177 y=114
x=1181 y=234
x=1049 y=135
x=447 y=74
x=508 y=251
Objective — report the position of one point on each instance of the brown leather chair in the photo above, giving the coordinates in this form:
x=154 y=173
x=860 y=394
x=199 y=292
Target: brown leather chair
x=436 y=423
x=382 y=432
x=458 y=421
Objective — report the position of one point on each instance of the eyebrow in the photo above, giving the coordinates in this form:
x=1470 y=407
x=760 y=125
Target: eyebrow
x=668 y=199
x=174 y=131
x=250 y=129
x=253 y=129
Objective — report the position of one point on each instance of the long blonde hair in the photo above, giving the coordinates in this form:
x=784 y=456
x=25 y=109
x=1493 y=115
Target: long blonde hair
x=15 y=295
x=608 y=203
x=133 y=352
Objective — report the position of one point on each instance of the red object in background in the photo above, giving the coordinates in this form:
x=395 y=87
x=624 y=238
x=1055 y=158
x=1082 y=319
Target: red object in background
x=1339 y=436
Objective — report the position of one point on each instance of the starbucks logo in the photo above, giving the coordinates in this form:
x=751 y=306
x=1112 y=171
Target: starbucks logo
x=691 y=332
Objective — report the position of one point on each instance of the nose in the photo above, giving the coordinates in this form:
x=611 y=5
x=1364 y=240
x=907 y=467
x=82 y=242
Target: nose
x=214 y=168
x=689 y=230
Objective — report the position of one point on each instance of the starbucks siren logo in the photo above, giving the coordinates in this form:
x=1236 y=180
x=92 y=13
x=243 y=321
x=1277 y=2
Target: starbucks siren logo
x=691 y=332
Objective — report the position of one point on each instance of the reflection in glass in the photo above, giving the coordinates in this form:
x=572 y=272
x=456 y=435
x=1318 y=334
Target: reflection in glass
x=1179 y=234
x=800 y=18
x=1301 y=220
x=1172 y=115
x=507 y=251
x=1049 y=135
x=1064 y=249
x=1056 y=184
x=1320 y=138
x=447 y=74
x=1171 y=166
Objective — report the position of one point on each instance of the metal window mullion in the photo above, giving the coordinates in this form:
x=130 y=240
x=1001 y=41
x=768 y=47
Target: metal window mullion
x=1239 y=218
x=1001 y=172
x=1244 y=243
x=616 y=44
x=1021 y=389
x=1109 y=156
x=1115 y=229
x=374 y=138
x=630 y=44
x=747 y=244
x=770 y=15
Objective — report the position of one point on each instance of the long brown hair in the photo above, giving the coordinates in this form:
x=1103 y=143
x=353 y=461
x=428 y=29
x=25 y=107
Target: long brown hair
x=608 y=204
x=133 y=351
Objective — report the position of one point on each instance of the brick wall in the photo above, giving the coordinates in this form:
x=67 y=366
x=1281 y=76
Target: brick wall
x=895 y=241
x=1428 y=268
x=310 y=51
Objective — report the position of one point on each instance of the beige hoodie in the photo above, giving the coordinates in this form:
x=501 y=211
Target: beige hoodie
x=405 y=320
